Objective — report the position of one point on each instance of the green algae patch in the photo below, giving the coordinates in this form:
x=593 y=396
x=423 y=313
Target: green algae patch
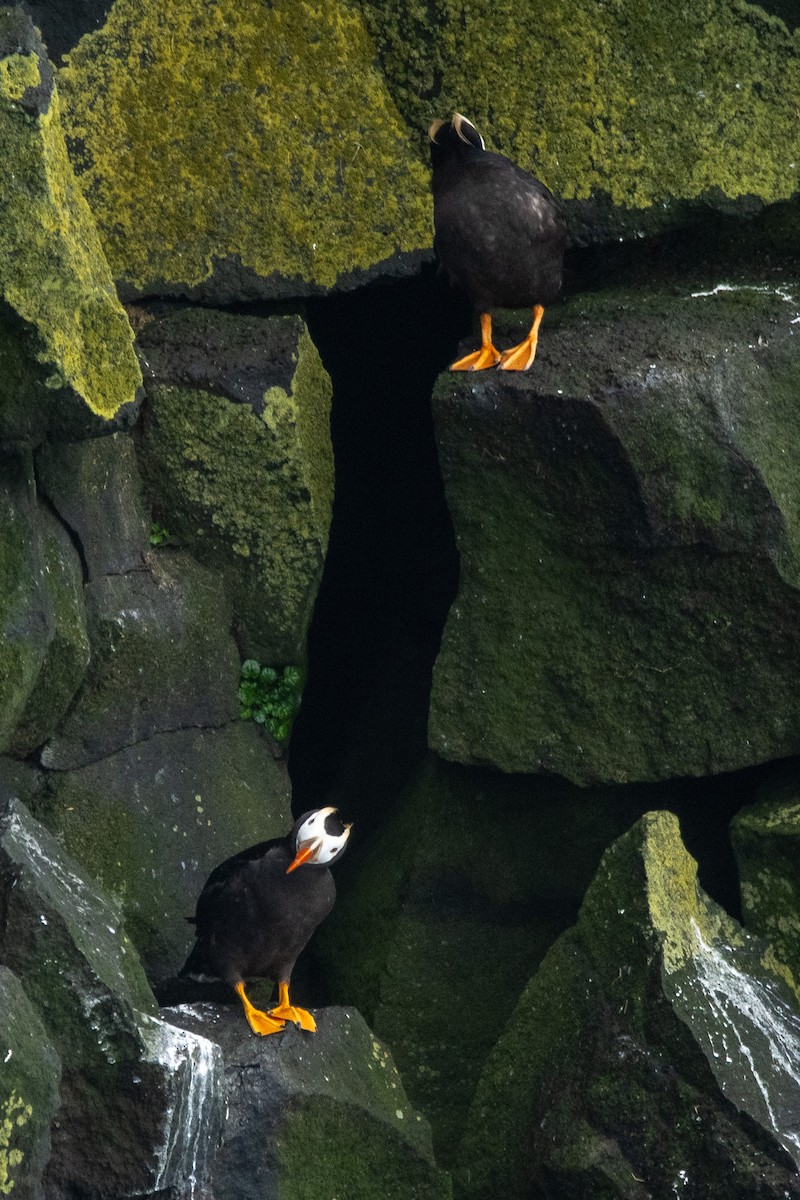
x=627 y=522
x=52 y=270
x=647 y=1025
x=240 y=466
x=227 y=170
x=630 y=101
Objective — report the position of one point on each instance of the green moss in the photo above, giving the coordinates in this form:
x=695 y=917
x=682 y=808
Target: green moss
x=52 y=269
x=620 y=99
x=308 y=196
x=251 y=494
x=14 y=1114
x=611 y=618
x=328 y=1149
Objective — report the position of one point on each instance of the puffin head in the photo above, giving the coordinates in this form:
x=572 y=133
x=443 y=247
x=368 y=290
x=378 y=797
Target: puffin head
x=318 y=838
x=456 y=138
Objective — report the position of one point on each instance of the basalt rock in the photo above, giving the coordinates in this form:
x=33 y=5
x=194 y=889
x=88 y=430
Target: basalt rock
x=627 y=520
x=151 y=821
x=44 y=648
x=311 y=1115
x=766 y=841
x=141 y=1106
x=238 y=462
x=655 y=1052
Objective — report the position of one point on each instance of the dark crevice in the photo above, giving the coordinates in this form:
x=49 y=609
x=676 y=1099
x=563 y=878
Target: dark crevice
x=392 y=569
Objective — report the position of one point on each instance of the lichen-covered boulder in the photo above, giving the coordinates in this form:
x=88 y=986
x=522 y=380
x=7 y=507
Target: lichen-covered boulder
x=151 y=821
x=29 y=1099
x=627 y=521
x=44 y=647
x=312 y=1116
x=238 y=462
x=467 y=881
x=617 y=105
x=655 y=1052
x=95 y=488
x=141 y=1102
x=279 y=167
x=766 y=841
x=53 y=274
x=162 y=658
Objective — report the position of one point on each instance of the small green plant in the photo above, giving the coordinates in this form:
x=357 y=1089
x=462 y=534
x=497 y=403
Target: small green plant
x=158 y=534
x=270 y=697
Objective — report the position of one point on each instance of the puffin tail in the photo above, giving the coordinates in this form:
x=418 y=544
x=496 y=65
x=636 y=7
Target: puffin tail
x=197 y=963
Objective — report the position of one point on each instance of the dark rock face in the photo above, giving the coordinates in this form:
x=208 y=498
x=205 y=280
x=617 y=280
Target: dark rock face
x=140 y=1110
x=94 y=487
x=644 y=1031
x=313 y=1115
x=162 y=658
x=626 y=517
x=766 y=841
x=44 y=649
x=152 y=821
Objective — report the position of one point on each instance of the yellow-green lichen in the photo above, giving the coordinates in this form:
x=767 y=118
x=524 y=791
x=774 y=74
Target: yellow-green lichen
x=52 y=269
x=244 y=131
x=14 y=1114
x=642 y=102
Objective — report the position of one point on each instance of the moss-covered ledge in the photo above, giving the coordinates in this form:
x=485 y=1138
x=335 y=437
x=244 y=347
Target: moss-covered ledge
x=241 y=149
x=630 y=106
x=52 y=270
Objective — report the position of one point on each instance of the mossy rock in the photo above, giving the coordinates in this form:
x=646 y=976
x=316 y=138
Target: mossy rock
x=313 y=1117
x=280 y=149
x=162 y=658
x=238 y=463
x=152 y=821
x=53 y=273
x=766 y=841
x=132 y=1099
x=628 y=522
x=442 y=919
x=44 y=646
x=29 y=1096
x=645 y=1029
x=618 y=105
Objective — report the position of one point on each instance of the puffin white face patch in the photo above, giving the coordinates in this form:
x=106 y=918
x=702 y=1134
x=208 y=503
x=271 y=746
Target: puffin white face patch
x=314 y=829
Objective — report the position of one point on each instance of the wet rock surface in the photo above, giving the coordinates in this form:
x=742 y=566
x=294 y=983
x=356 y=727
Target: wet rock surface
x=626 y=517
x=314 y=1114
x=655 y=1049
x=130 y=1119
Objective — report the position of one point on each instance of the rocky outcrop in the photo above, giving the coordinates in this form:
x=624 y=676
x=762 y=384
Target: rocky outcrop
x=766 y=841
x=620 y=113
x=237 y=456
x=655 y=1052
x=314 y=1115
x=53 y=274
x=141 y=1106
x=151 y=821
x=44 y=648
x=286 y=157
x=626 y=520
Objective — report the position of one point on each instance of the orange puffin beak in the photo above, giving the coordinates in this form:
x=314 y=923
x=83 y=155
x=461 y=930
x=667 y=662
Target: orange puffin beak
x=309 y=850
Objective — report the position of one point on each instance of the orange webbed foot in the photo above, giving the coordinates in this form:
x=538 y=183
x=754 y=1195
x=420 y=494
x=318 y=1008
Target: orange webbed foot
x=520 y=358
x=260 y=1022
x=286 y=1011
x=486 y=357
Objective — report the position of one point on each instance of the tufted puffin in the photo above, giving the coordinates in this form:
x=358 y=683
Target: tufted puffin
x=259 y=908
x=499 y=233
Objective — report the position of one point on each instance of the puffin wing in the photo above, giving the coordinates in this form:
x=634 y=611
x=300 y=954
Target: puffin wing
x=227 y=881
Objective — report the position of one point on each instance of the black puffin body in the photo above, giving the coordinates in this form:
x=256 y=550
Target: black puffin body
x=500 y=235
x=259 y=908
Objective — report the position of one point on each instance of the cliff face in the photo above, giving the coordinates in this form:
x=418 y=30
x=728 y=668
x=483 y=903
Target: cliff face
x=256 y=480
